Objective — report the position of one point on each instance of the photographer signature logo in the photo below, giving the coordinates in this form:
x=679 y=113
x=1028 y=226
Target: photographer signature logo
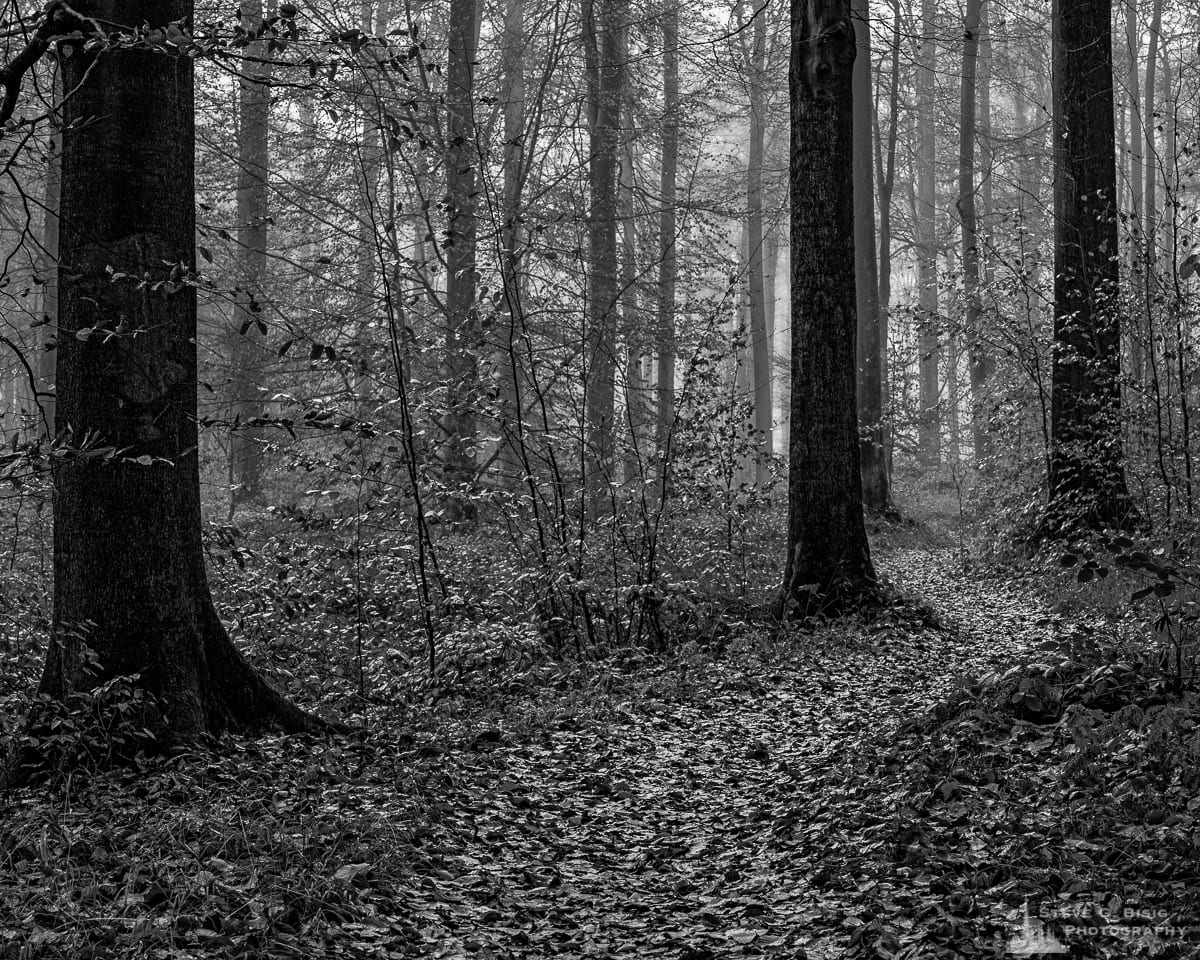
x=1034 y=939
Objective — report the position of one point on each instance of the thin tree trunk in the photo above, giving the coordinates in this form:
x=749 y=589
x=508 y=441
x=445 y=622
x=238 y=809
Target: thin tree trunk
x=462 y=333
x=631 y=323
x=512 y=237
x=929 y=428
x=667 y=260
x=247 y=352
x=603 y=21
x=760 y=344
x=1136 y=333
x=870 y=317
x=49 y=317
x=887 y=185
x=1150 y=128
x=977 y=358
x=828 y=560
x=1087 y=473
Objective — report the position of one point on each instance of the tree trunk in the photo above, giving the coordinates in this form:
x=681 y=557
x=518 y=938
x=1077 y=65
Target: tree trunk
x=977 y=358
x=667 y=266
x=511 y=238
x=870 y=317
x=374 y=23
x=1150 y=128
x=631 y=323
x=129 y=578
x=760 y=343
x=1138 y=323
x=249 y=333
x=49 y=338
x=1087 y=474
x=929 y=429
x=462 y=324
x=828 y=560
x=887 y=184
x=602 y=40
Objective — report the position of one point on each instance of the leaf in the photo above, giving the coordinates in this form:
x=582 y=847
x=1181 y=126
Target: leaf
x=84 y=334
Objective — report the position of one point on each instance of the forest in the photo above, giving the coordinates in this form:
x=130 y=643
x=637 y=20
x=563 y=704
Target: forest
x=599 y=478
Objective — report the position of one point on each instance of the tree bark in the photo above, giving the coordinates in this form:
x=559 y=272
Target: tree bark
x=929 y=428
x=828 y=561
x=129 y=578
x=249 y=333
x=602 y=42
x=462 y=322
x=511 y=239
x=760 y=343
x=667 y=261
x=977 y=357
x=887 y=184
x=1087 y=474
x=870 y=317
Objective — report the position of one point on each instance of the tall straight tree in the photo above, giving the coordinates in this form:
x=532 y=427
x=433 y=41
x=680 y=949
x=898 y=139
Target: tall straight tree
x=246 y=353
x=870 y=317
x=1087 y=471
x=969 y=219
x=602 y=31
x=929 y=427
x=129 y=577
x=462 y=327
x=667 y=266
x=828 y=559
x=754 y=64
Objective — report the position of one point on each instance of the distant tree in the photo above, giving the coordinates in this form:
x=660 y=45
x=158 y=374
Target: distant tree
x=249 y=331
x=929 y=427
x=129 y=578
x=1087 y=471
x=828 y=560
x=667 y=250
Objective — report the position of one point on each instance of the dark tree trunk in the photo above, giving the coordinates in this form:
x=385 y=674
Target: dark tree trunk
x=1087 y=473
x=129 y=578
x=828 y=561
x=870 y=317
x=462 y=333
x=602 y=41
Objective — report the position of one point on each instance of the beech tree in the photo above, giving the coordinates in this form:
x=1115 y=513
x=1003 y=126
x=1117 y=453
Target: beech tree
x=131 y=595
x=1087 y=472
x=828 y=559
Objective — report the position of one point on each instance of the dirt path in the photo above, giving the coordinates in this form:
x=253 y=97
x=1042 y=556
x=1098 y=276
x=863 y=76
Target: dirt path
x=672 y=829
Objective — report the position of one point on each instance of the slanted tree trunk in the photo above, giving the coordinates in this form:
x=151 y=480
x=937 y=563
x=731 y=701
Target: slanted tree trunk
x=870 y=318
x=1087 y=472
x=249 y=333
x=460 y=366
x=977 y=359
x=129 y=578
x=603 y=21
x=828 y=560
x=667 y=260
x=760 y=343
x=929 y=428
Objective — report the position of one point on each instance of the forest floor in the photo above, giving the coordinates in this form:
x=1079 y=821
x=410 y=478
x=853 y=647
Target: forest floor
x=847 y=790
